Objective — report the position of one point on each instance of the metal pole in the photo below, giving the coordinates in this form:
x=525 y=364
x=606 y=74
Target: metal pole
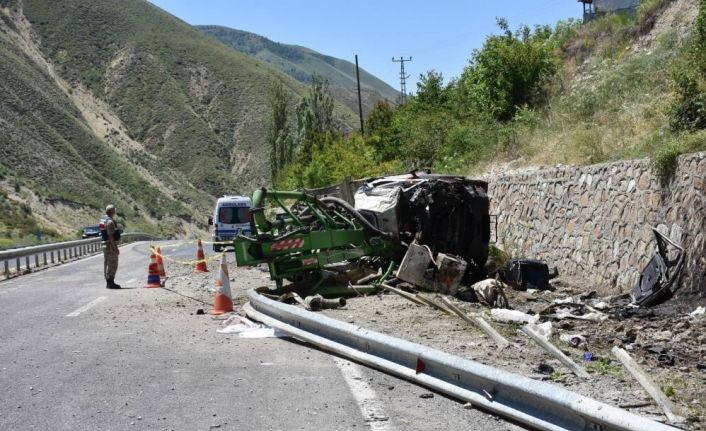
x=360 y=101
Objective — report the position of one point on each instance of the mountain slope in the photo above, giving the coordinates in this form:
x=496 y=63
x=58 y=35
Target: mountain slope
x=300 y=63
x=127 y=105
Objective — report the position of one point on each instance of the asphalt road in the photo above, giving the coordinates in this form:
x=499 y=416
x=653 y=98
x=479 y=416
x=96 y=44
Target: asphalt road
x=77 y=356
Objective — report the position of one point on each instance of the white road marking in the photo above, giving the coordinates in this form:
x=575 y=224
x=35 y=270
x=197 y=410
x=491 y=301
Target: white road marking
x=370 y=406
x=87 y=306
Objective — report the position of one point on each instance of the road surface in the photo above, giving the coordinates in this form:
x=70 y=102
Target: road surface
x=77 y=356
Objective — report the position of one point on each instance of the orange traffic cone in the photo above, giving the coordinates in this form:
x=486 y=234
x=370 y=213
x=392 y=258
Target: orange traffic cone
x=200 y=259
x=160 y=263
x=153 y=273
x=222 y=302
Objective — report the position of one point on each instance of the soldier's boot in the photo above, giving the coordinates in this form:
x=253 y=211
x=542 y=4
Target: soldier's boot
x=111 y=284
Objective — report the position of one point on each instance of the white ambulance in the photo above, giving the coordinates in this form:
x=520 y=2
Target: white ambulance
x=231 y=217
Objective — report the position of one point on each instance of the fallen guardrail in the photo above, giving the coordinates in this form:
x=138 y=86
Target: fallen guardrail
x=58 y=252
x=535 y=403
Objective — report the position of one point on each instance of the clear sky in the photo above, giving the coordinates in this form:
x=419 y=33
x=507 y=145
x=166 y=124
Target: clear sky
x=438 y=35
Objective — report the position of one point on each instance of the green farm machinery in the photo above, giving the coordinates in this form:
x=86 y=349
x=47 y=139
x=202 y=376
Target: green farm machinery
x=303 y=239
x=433 y=228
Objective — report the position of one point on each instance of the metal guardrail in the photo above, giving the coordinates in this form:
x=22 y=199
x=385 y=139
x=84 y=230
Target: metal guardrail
x=58 y=252
x=537 y=404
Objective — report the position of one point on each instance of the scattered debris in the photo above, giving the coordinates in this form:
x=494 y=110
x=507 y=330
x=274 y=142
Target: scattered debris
x=490 y=292
x=246 y=328
x=552 y=350
x=698 y=313
x=659 y=279
x=574 y=340
x=543 y=368
x=503 y=315
x=317 y=302
x=646 y=382
x=523 y=274
x=442 y=275
x=478 y=321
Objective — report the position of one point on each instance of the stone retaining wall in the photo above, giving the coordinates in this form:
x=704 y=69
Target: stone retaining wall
x=593 y=222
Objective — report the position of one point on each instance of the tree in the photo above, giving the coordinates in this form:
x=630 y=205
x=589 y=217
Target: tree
x=430 y=89
x=315 y=121
x=510 y=71
x=278 y=131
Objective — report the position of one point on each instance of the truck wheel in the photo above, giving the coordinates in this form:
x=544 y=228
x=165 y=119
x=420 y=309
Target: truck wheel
x=216 y=248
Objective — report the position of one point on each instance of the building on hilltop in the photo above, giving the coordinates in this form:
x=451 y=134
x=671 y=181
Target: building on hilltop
x=593 y=8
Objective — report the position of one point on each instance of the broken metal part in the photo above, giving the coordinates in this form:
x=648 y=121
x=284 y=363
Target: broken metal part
x=448 y=214
x=419 y=268
x=659 y=279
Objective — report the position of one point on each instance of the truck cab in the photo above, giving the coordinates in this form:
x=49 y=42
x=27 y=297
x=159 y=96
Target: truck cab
x=231 y=216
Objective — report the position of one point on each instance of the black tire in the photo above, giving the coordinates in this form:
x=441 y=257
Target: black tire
x=217 y=248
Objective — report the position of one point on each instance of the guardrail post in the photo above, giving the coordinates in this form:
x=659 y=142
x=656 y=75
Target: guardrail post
x=45 y=258
x=64 y=254
x=7 y=268
x=36 y=260
x=19 y=267
x=27 y=262
x=52 y=256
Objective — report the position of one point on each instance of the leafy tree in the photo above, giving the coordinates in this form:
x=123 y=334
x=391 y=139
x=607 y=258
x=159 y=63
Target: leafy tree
x=315 y=121
x=509 y=71
x=430 y=89
x=379 y=131
x=278 y=131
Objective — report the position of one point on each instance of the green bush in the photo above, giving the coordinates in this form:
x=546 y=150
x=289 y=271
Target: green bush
x=664 y=162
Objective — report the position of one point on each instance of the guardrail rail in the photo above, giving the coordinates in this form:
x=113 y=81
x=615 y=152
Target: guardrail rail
x=537 y=404
x=57 y=252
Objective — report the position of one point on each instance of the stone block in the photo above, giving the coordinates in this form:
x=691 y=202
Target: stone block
x=645 y=181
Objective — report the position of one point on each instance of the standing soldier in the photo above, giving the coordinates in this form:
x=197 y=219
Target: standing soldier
x=110 y=235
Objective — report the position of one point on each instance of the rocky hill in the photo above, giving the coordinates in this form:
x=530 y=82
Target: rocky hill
x=127 y=105
x=300 y=63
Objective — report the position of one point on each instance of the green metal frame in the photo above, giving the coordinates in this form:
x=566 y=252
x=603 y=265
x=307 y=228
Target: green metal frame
x=325 y=237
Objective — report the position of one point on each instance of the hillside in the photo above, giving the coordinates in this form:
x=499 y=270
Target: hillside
x=125 y=105
x=301 y=63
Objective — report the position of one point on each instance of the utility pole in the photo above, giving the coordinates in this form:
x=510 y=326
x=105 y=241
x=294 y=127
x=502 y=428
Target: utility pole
x=360 y=102
x=403 y=77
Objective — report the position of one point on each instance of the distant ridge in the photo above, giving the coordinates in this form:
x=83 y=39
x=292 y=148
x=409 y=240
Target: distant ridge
x=300 y=63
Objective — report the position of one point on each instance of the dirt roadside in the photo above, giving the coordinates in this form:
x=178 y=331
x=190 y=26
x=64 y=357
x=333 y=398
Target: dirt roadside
x=653 y=339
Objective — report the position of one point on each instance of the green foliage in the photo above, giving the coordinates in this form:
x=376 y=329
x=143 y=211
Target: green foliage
x=314 y=119
x=664 y=161
x=689 y=78
x=278 y=131
x=606 y=366
x=344 y=157
x=510 y=71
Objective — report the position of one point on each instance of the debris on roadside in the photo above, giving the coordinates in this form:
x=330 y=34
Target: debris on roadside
x=575 y=340
x=491 y=293
x=514 y=316
x=659 y=279
x=442 y=274
x=523 y=274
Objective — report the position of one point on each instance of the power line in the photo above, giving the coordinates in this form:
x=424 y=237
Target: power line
x=403 y=78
